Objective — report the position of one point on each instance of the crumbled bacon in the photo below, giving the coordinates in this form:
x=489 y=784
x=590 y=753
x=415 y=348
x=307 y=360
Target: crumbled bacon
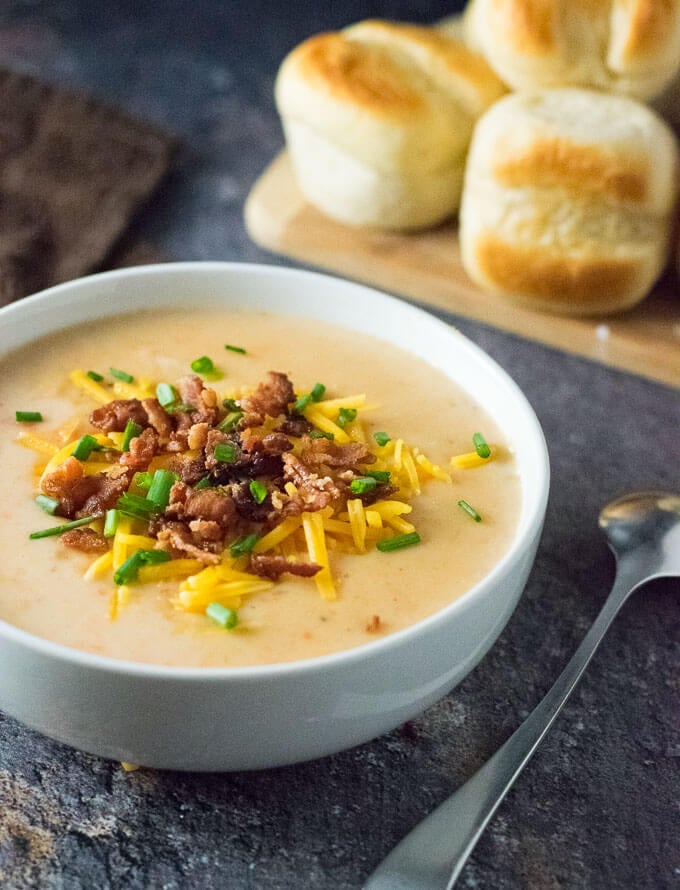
x=295 y=425
x=142 y=451
x=270 y=399
x=271 y=443
x=273 y=567
x=81 y=495
x=85 y=539
x=159 y=419
x=180 y=540
x=314 y=492
x=326 y=453
x=113 y=417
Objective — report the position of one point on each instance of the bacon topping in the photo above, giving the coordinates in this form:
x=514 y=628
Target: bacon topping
x=273 y=567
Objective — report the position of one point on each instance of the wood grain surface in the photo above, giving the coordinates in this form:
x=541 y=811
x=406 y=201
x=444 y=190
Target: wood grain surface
x=426 y=267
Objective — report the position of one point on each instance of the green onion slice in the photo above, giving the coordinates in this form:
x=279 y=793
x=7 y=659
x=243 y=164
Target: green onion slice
x=111 y=523
x=379 y=475
x=363 y=485
x=226 y=618
x=243 y=546
x=143 y=480
x=132 y=430
x=345 y=416
x=166 y=394
x=159 y=490
x=481 y=446
x=137 y=507
x=225 y=453
x=121 y=375
x=93 y=375
x=470 y=510
x=60 y=529
x=382 y=438
x=398 y=542
x=230 y=404
x=238 y=349
x=129 y=570
x=49 y=505
x=203 y=365
x=230 y=422
x=203 y=483
x=84 y=448
x=28 y=416
x=258 y=491
x=302 y=403
x=320 y=434
x=317 y=392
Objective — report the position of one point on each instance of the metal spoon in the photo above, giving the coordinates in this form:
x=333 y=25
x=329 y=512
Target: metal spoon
x=643 y=530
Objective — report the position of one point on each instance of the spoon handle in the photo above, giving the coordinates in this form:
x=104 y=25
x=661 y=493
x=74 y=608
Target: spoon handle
x=432 y=856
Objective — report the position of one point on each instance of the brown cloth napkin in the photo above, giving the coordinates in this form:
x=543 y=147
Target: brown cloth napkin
x=73 y=172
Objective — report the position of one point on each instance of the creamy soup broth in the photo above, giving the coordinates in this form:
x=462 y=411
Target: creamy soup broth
x=42 y=589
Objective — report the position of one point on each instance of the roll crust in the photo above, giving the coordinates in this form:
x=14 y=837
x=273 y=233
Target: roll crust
x=386 y=111
x=568 y=200
x=626 y=46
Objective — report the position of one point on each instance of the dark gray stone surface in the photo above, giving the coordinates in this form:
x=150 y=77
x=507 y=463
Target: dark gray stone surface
x=599 y=806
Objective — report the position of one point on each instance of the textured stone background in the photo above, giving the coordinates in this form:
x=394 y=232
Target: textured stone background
x=599 y=806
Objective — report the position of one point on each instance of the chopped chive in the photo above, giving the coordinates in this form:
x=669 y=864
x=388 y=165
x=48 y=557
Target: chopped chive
x=230 y=422
x=49 y=505
x=470 y=510
x=129 y=570
x=182 y=406
x=143 y=480
x=238 y=349
x=111 y=523
x=364 y=485
x=28 y=416
x=166 y=394
x=121 y=375
x=481 y=446
x=132 y=430
x=382 y=438
x=59 y=529
x=203 y=483
x=258 y=491
x=243 y=546
x=159 y=490
x=225 y=453
x=84 y=448
x=135 y=506
x=93 y=375
x=320 y=434
x=226 y=618
x=379 y=475
x=203 y=365
x=230 y=404
x=345 y=416
x=317 y=392
x=302 y=403
x=398 y=542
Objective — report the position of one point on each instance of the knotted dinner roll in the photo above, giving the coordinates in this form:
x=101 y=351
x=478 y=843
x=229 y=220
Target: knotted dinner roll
x=624 y=46
x=378 y=119
x=568 y=200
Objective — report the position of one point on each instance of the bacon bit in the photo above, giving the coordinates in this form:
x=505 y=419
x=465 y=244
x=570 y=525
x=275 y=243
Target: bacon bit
x=85 y=539
x=272 y=567
x=80 y=495
x=142 y=451
x=271 y=398
x=374 y=625
x=114 y=416
x=316 y=453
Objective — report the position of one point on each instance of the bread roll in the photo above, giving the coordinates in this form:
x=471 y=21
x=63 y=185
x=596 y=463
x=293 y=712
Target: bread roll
x=378 y=119
x=568 y=200
x=624 y=46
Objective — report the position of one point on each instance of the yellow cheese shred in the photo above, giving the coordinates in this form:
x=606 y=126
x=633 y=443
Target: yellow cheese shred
x=312 y=523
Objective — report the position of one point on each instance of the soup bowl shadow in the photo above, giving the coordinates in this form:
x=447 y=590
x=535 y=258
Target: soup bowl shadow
x=257 y=717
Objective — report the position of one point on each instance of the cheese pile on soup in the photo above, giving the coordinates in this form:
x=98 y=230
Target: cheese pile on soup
x=218 y=489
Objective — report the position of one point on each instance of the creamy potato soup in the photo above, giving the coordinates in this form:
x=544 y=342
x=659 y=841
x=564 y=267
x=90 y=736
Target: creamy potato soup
x=339 y=466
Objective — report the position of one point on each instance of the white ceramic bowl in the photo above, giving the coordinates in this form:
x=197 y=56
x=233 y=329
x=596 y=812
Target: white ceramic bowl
x=248 y=718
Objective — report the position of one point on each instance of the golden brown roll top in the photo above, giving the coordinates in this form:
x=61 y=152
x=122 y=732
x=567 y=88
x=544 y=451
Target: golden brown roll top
x=625 y=46
x=569 y=199
x=378 y=119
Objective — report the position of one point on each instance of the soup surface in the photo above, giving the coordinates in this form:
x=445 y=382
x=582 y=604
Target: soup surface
x=42 y=588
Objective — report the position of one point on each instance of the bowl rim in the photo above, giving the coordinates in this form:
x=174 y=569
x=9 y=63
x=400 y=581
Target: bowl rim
x=342 y=658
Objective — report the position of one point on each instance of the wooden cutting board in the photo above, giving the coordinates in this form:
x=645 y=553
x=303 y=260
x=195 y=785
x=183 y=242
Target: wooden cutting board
x=426 y=267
